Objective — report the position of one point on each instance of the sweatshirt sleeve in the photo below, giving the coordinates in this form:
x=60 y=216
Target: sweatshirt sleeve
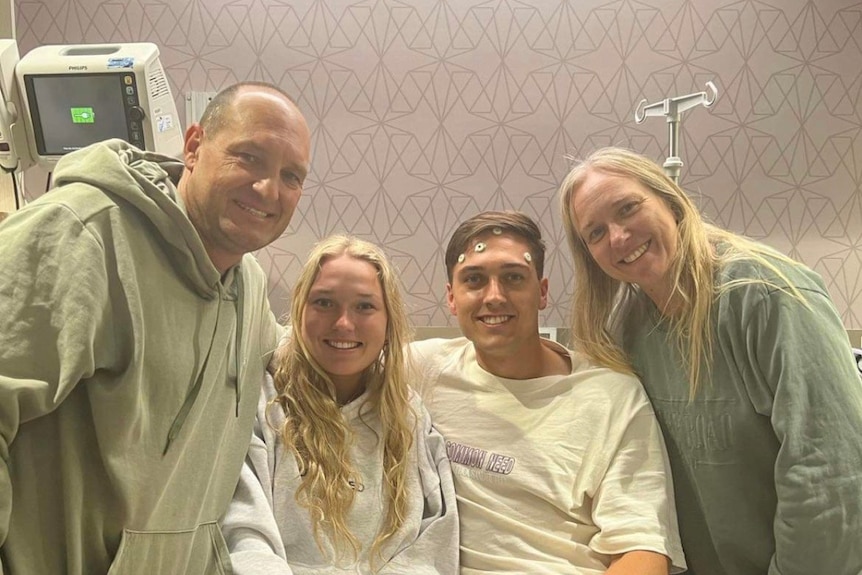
x=435 y=551
x=56 y=324
x=249 y=525
x=804 y=365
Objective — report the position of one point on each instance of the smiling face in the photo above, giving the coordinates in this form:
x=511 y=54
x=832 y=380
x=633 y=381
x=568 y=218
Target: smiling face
x=630 y=232
x=344 y=321
x=496 y=295
x=242 y=183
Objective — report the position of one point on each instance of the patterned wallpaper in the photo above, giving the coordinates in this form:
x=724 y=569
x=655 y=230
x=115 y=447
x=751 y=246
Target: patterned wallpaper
x=425 y=112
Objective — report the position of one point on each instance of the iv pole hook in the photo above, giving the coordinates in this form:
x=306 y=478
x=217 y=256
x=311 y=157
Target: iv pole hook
x=672 y=109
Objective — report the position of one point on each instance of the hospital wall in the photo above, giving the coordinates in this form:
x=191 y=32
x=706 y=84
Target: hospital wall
x=425 y=112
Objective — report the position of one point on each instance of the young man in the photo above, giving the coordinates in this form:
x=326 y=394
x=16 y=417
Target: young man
x=134 y=334
x=559 y=465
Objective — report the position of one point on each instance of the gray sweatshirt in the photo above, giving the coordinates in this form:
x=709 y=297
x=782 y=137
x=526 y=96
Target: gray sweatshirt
x=267 y=531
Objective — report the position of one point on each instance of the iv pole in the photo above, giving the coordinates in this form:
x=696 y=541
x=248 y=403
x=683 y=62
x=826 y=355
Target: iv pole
x=673 y=108
x=7 y=19
x=10 y=126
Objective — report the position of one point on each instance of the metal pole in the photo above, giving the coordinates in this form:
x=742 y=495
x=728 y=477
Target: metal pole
x=7 y=19
x=673 y=164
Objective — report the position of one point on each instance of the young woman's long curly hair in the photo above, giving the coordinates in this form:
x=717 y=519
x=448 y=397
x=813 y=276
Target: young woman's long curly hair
x=601 y=303
x=315 y=430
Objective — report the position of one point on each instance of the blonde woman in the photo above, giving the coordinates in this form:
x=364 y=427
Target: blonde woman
x=745 y=360
x=345 y=473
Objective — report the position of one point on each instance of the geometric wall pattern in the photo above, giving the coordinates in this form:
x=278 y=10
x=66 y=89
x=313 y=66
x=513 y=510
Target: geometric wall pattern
x=425 y=112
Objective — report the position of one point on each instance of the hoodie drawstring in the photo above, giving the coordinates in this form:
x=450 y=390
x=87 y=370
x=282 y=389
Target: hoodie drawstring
x=192 y=396
x=240 y=298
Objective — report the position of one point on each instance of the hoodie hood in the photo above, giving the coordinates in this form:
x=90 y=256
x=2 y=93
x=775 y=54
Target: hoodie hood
x=147 y=181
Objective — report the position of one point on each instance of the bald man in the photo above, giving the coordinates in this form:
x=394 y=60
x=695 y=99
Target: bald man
x=134 y=333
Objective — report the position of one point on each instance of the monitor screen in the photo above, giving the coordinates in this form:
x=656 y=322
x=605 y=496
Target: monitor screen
x=71 y=111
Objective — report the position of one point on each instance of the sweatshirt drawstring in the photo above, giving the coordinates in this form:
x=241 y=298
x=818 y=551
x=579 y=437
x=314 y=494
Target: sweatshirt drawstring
x=192 y=396
x=240 y=293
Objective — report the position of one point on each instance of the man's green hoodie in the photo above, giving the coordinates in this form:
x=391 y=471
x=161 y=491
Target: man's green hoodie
x=129 y=375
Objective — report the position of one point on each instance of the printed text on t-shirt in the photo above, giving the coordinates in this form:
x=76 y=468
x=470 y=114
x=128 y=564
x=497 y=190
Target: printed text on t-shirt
x=479 y=458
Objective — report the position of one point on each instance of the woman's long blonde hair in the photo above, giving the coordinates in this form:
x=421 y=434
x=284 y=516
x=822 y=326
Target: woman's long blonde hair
x=314 y=428
x=600 y=303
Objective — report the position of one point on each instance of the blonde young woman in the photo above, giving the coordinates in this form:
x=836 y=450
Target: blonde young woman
x=345 y=473
x=745 y=360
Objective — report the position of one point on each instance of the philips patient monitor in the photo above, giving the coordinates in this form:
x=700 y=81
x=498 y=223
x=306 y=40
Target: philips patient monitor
x=77 y=95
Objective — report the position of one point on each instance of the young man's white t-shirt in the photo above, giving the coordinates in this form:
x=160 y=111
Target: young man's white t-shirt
x=553 y=475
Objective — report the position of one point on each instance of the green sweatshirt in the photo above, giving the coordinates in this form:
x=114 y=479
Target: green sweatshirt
x=767 y=459
x=129 y=375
